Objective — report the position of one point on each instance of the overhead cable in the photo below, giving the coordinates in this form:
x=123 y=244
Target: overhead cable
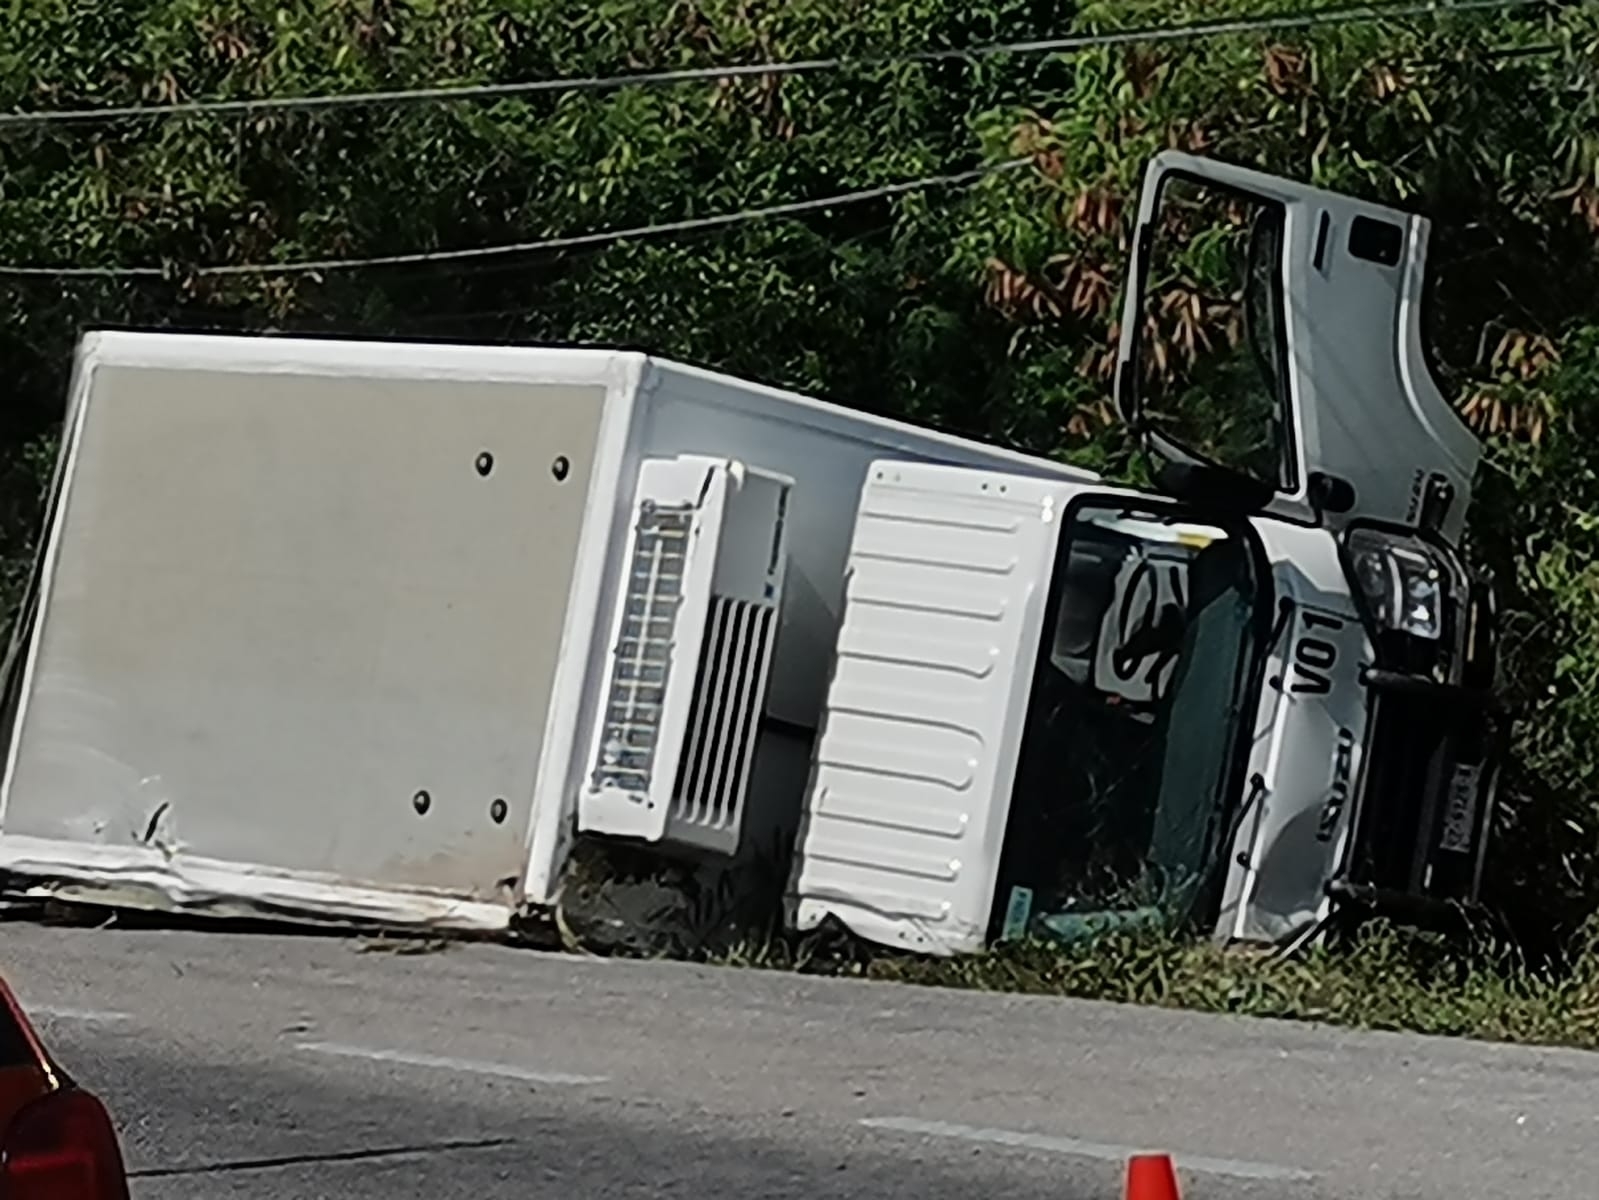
x=1072 y=43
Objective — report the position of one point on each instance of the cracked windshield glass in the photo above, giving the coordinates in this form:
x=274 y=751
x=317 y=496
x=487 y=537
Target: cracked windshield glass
x=1133 y=729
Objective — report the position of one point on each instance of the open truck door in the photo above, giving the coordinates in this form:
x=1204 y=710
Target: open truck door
x=1271 y=353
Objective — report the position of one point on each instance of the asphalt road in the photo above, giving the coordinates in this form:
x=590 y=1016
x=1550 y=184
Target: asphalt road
x=271 y=1068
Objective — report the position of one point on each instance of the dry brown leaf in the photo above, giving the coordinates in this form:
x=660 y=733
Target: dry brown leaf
x=1285 y=68
x=1142 y=68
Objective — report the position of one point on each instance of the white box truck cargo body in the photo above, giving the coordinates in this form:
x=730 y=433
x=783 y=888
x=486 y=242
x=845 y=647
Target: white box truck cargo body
x=360 y=630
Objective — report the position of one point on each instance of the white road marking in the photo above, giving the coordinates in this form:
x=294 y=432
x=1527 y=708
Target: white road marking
x=443 y=1063
x=1065 y=1145
x=74 y=1014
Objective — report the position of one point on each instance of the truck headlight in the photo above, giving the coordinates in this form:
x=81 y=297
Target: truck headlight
x=1403 y=580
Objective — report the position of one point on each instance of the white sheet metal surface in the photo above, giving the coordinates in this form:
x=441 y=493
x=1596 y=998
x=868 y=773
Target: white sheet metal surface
x=948 y=574
x=827 y=450
x=298 y=633
x=1308 y=746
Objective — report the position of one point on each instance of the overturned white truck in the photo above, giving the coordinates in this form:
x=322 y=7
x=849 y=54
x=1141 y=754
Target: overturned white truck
x=359 y=631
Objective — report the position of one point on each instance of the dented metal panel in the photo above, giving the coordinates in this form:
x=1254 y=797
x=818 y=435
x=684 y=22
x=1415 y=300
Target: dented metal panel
x=297 y=636
x=912 y=775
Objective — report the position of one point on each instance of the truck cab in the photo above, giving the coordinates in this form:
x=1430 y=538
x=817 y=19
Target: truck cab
x=1246 y=702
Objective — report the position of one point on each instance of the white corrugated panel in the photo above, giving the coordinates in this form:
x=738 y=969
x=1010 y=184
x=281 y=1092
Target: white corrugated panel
x=948 y=573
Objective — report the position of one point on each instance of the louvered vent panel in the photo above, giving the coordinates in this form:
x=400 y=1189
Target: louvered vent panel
x=674 y=741
x=713 y=774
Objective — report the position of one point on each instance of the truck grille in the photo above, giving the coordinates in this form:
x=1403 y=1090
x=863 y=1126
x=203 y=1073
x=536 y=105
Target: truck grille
x=1414 y=835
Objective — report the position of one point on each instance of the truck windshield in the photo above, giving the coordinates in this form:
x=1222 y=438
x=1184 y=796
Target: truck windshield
x=1128 y=771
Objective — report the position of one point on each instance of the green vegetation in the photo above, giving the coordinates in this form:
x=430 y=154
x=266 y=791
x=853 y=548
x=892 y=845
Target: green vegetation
x=987 y=310
x=1382 y=978
x=1387 y=979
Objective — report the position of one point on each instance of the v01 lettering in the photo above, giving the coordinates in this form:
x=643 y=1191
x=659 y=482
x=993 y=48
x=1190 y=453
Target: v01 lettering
x=1315 y=657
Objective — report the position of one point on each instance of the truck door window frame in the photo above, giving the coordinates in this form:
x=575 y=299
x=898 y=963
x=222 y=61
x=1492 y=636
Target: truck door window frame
x=1287 y=480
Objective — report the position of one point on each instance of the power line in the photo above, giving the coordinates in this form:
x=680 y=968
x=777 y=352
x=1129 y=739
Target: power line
x=1189 y=31
x=1193 y=30
x=571 y=242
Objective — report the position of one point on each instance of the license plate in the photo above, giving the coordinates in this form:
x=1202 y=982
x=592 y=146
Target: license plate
x=1460 y=808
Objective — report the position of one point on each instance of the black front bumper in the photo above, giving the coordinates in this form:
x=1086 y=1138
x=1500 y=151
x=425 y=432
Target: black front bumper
x=1424 y=811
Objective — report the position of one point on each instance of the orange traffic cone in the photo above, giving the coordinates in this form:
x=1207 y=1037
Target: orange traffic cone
x=1151 y=1177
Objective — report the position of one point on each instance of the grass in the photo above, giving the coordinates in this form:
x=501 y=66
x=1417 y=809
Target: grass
x=1383 y=977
